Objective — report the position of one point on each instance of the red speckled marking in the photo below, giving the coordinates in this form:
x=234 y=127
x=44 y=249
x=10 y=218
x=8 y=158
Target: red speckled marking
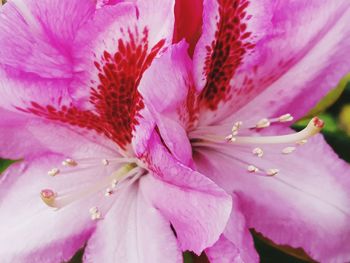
x=226 y=51
x=116 y=99
x=192 y=107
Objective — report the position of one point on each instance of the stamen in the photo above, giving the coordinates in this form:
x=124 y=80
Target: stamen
x=55 y=200
x=252 y=169
x=114 y=183
x=272 y=172
x=285 y=118
x=108 y=192
x=288 y=150
x=258 y=152
x=69 y=162
x=53 y=172
x=105 y=162
x=95 y=213
x=236 y=127
x=263 y=123
x=314 y=127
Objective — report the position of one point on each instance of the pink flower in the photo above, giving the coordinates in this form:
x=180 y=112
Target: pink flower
x=258 y=66
x=69 y=77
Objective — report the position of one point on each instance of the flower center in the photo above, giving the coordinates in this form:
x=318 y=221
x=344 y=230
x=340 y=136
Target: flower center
x=205 y=137
x=121 y=172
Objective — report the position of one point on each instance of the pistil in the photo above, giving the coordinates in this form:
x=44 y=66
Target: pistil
x=314 y=127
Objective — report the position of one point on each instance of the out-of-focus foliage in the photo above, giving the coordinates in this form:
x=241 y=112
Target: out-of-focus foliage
x=4 y=163
x=330 y=98
x=344 y=119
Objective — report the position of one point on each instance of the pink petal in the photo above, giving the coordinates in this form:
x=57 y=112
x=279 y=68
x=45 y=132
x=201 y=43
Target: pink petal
x=195 y=206
x=127 y=36
x=236 y=243
x=19 y=89
x=113 y=52
x=133 y=231
x=26 y=138
x=321 y=62
x=292 y=44
x=30 y=230
x=38 y=37
x=164 y=88
x=305 y=205
x=230 y=30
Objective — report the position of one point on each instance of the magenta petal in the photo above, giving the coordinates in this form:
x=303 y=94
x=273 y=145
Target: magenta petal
x=38 y=37
x=30 y=230
x=307 y=204
x=236 y=243
x=133 y=231
x=26 y=138
x=164 y=88
x=320 y=64
x=195 y=206
x=297 y=47
x=121 y=41
x=16 y=141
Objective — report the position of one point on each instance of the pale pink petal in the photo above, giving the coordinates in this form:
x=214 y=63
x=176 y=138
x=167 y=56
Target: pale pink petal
x=133 y=231
x=38 y=37
x=30 y=230
x=307 y=204
x=195 y=206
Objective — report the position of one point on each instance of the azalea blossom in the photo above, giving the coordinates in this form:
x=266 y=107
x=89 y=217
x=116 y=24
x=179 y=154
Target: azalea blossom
x=70 y=110
x=257 y=67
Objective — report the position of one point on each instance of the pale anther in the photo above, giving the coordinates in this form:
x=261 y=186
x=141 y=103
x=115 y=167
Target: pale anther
x=263 y=123
x=229 y=137
x=69 y=162
x=236 y=127
x=53 y=172
x=252 y=169
x=114 y=183
x=108 y=192
x=105 y=162
x=285 y=118
x=272 y=172
x=94 y=213
x=288 y=150
x=258 y=152
x=302 y=142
